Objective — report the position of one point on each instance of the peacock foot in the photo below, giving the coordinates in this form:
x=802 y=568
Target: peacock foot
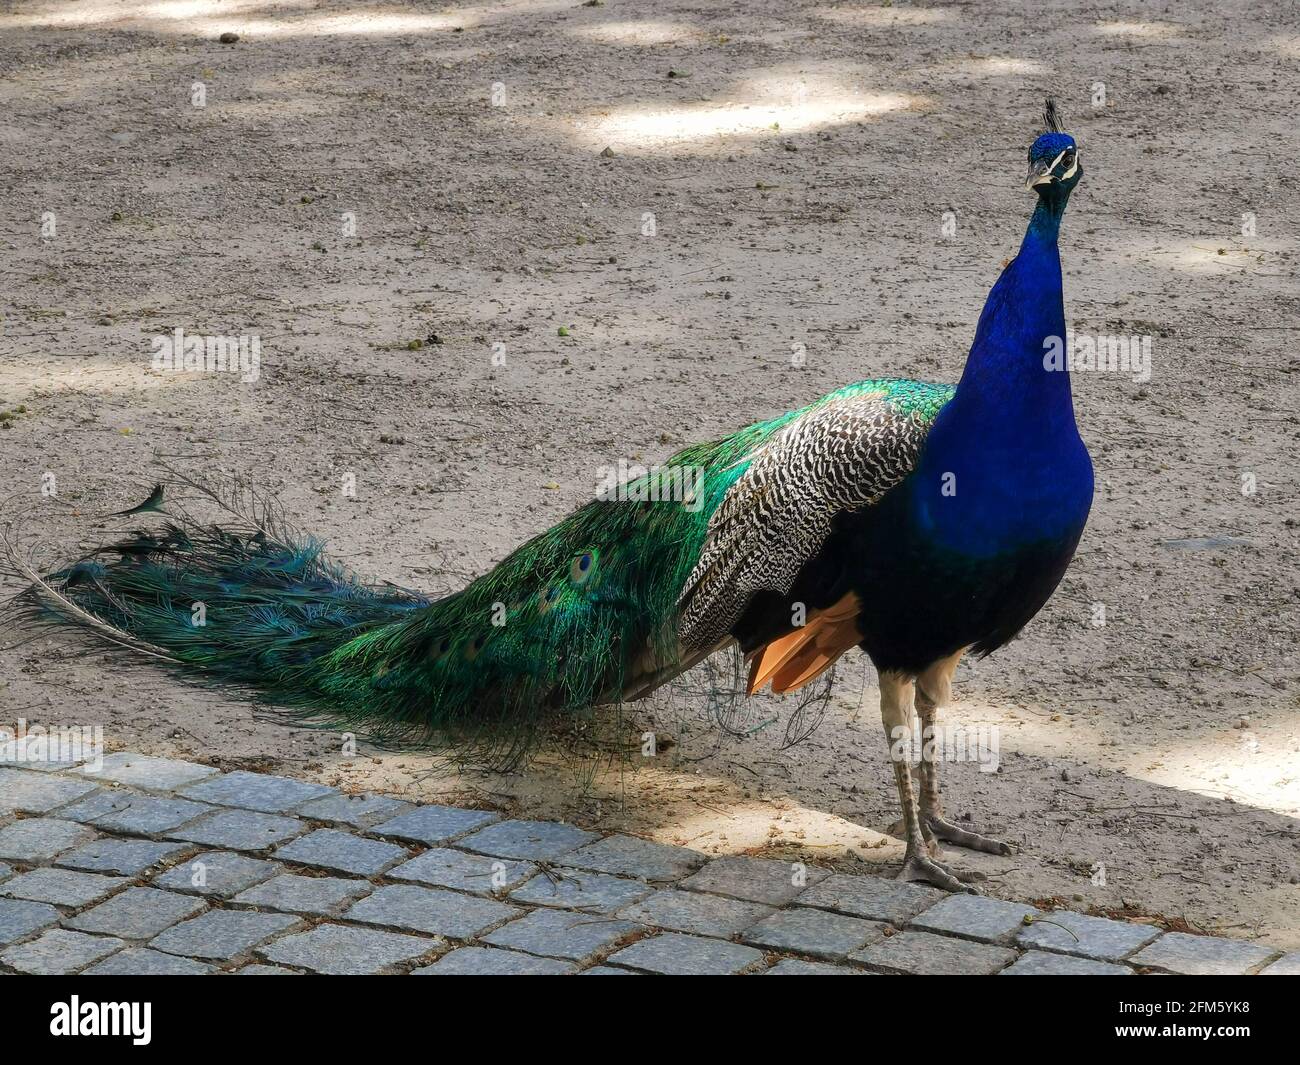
x=924 y=869
x=899 y=829
x=961 y=837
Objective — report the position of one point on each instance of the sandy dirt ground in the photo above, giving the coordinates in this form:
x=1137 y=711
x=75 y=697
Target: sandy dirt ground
x=800 y=161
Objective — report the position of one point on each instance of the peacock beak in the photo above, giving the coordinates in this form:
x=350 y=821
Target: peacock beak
x=1041 y=172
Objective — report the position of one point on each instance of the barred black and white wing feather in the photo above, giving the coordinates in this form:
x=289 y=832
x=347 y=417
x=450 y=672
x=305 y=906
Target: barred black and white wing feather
x=837 y=457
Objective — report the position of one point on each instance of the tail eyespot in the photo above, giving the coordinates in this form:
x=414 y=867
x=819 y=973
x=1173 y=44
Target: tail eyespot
x=582 y=567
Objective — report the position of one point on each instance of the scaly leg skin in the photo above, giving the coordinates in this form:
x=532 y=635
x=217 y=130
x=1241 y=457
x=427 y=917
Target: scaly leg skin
x=899 y=827
x=896 y=714
x=933 y=690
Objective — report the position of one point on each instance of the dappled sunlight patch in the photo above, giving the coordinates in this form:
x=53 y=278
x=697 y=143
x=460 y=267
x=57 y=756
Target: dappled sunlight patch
x=1283 y=45
x=766 y=108
x=885 y=16
x=188 y=9
x=213 y=17
x=359 y=23
x=380 y=22
x=1255 y=766
x=1206 y=255
x=1138 y=30
x=91 y=375
x=70 y=15
x=1250 y=765
x=993 y=66
x=721 y=827
x=981 y=67
x=644 y=33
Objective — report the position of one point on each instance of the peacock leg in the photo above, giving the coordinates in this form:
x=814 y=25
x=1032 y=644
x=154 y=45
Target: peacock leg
x=896 y=714
x=933 y=690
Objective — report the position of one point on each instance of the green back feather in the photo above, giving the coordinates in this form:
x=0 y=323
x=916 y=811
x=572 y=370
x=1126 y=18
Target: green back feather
x=560 y=626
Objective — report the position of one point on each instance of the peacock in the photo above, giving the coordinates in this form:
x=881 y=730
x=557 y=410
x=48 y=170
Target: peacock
x=916 y=521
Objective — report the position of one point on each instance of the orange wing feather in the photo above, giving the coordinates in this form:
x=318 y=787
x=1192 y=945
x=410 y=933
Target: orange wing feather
x=793 y=660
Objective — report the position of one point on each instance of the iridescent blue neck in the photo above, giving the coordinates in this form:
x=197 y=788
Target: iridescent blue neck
x=1006 y=445
x=1045 y=222
x=1005 y=380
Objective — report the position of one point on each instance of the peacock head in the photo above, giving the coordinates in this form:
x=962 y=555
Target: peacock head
x=1054 y=166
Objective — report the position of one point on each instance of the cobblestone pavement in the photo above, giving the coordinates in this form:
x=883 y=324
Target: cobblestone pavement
x=160 y=866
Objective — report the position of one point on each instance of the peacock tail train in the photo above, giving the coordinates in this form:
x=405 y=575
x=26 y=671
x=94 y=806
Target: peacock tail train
x=583 y=615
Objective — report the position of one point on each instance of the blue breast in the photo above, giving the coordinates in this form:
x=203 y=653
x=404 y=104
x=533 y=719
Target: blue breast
x=1004 y=467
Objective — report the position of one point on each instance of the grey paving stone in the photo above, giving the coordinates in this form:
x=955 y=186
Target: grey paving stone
x=1287 y=965
x=1087 y=937
x=536 y=840
x=265 y=970
x=360 y=811
x=38 y=793
x=817 y=932
x=97 y=803
x=340 y=950
x=575 y=889
x=421 y=909
x=149 y=773
x=6 y=870
x=320 y=895
x=925 y=954
x=607 y=970
x=435 y=824
x=1178 y=952
x=124 y=811
x=331 y=848
x=221 y=874
x=895 y=901
x=138 y=913
x=142 y=962
x=486 y=961
x=59 y=951
x=38 y=754
x=755 y=879
x=241 y=830
x=629 y=856
x=694 y=911
x=256 y=791
x=795 y=967
x=1041 y=963
x=129 y=857
x=475 y=873
x=38 y=839
x=223 y=934
x=678 y=955
x=41 y=766
x=19 y=918
x=975 y=917
x=557 y=934
x=62 y=887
